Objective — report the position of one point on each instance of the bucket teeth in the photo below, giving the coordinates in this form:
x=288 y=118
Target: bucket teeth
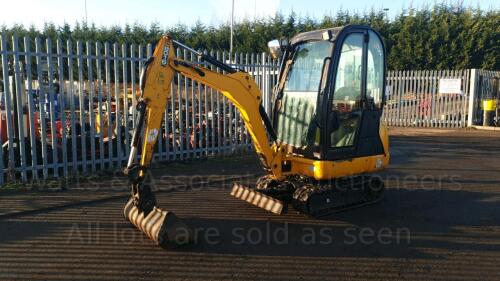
x=258 y=199
x=163 y=227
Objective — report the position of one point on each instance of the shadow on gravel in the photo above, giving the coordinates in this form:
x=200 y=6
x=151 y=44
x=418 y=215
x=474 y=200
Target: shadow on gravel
x=400 y=225
x=21 y=231
x=406 y=223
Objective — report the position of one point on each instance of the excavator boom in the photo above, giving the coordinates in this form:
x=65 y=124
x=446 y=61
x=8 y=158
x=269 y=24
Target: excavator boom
x=156 y=80
x=237 y=86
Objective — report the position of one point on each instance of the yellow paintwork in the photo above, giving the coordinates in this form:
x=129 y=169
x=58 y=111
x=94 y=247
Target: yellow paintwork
x=244 y=93
x=156 y=93
x=489 y=105
x=322 y=170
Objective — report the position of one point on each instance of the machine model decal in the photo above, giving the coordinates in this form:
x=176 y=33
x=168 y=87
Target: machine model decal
x=164 y=58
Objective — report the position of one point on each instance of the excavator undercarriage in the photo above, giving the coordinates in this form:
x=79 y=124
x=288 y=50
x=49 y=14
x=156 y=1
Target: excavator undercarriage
x=312 y=197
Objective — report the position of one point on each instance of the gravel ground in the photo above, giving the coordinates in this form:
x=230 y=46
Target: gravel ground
x=439 y=219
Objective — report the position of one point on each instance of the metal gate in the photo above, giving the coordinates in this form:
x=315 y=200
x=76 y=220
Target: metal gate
x=487 y=88
x=69 y=107
x=413 y=98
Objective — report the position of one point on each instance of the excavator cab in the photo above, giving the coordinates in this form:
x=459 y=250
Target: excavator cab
x=329 y=102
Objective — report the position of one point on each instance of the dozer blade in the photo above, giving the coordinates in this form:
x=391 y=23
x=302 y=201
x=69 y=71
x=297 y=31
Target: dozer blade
x=258 y=199
x=160 y=226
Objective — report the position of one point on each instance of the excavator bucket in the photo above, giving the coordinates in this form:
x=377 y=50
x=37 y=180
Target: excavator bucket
x=258 y=199
x=160 y=226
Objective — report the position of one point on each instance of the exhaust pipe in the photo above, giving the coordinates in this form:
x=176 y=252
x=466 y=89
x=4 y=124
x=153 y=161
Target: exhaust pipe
x=163 y=227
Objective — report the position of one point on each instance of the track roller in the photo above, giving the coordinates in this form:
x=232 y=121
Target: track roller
x=324 y=198
x=281 y=190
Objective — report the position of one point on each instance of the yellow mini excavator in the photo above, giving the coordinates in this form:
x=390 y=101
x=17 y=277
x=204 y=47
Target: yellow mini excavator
x=321 y=146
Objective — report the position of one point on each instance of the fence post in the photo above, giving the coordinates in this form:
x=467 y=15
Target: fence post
x=472 y=96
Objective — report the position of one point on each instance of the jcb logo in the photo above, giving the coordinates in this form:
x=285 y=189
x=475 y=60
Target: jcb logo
x=165 y=56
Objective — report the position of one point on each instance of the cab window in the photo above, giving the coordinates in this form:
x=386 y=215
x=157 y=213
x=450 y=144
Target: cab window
x=375 y=71
x=347 y=94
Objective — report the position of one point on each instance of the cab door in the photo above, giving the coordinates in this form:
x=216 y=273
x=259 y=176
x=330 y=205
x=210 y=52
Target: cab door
x=357 y=96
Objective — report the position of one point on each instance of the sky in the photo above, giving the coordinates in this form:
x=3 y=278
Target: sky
x=209 y=12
